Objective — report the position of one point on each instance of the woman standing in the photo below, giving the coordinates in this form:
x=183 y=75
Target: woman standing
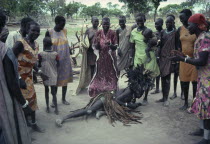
x=201 y=103
x=27 y=60
x=105 y=45
x=187 y=72
x=138 y=47
x=13 y=128
x=61 y=46
x=88 y=57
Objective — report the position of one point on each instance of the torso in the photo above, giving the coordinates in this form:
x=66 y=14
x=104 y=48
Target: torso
x=187 y=41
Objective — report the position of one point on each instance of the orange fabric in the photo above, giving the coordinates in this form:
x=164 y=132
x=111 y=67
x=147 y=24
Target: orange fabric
x=187 y=72
x=26 y=61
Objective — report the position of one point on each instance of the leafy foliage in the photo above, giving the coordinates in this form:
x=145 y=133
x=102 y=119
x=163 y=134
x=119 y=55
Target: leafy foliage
x=137 y=6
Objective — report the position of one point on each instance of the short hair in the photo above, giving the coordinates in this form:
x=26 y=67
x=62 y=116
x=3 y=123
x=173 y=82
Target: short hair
x=122 y=17
x=2 y=19
x=59 y=18
x=147 y=31
x=106 y=19
x=140 y=15
x=47 y=42
x=25 y=21
x=93 y=17
x=160 y=20
x=187 y=12
x=171 y=15
x=31 y=23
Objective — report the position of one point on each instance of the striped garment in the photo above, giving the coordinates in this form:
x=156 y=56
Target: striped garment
x=61 y=46
x=49 y=66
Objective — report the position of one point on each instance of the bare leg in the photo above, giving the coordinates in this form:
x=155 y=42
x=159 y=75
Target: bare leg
x=64 y=89
x=145 y=102
x=176 y=75
x=96 y=106
x=47 y=98
x=157 y=90
x=53 y=92
x=194 y=88
x=34 y=125
x=185 y=88
x=92 y=67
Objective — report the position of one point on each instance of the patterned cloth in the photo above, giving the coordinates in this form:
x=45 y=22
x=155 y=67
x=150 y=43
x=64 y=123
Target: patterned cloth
x=61 y=46
x=187 y=72
x=27 y=60
x=167 y=44
x=123 y=61
x=140 y=54
x=49 y=66
x=105 y=78
x=10 y=110
x=201 y=103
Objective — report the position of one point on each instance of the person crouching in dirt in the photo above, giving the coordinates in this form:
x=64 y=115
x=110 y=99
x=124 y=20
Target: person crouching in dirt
x=117 y=105
x=49 y=62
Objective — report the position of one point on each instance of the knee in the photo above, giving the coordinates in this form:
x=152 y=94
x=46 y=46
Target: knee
x=89 y=111
x=46 y=89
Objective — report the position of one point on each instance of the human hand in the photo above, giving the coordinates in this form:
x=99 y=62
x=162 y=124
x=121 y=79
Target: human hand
x=27 y=110
x=148 y=60
x=113 y=47
x=177 y=58
x=119 y=52
x=44 y=77
x=22 y=84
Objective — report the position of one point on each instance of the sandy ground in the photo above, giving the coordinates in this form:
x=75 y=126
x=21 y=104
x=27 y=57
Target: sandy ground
x=160 y=125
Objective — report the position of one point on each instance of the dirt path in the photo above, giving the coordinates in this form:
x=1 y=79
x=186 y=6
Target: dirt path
x=160 y=125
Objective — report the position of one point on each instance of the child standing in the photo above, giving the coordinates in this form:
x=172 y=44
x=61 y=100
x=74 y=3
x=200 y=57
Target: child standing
x=151 y=42
x=49 y=62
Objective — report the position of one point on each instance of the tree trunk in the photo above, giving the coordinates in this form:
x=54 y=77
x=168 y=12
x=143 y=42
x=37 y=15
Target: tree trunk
x=155 y=14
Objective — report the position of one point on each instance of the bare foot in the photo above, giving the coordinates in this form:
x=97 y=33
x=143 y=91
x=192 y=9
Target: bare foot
x=65 y=102
x=58 y=122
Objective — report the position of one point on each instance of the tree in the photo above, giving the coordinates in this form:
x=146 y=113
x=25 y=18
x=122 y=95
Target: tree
x=72 y=8
x=10 y=7
x=156 y=4
x=32 y=8
x=93 y=10
x=137 y=6
x=103 y=12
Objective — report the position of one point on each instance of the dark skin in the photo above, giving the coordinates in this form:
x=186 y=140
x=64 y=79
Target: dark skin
x=158 y=25
x=58 y=27
x=122 y=23
x=184 y=85
x=203 y=56
x=124 y=99
x=15 y=90
x=159 y=28
x=140 y=23
x=169 y=28
x=33 y=34
x=170 y=24
x=90 y=33
x=47 y=47
x=147 y=39
x=106 y=26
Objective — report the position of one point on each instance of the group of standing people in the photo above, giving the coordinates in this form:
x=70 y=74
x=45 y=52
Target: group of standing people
x=184 y=51
x=19 y=55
